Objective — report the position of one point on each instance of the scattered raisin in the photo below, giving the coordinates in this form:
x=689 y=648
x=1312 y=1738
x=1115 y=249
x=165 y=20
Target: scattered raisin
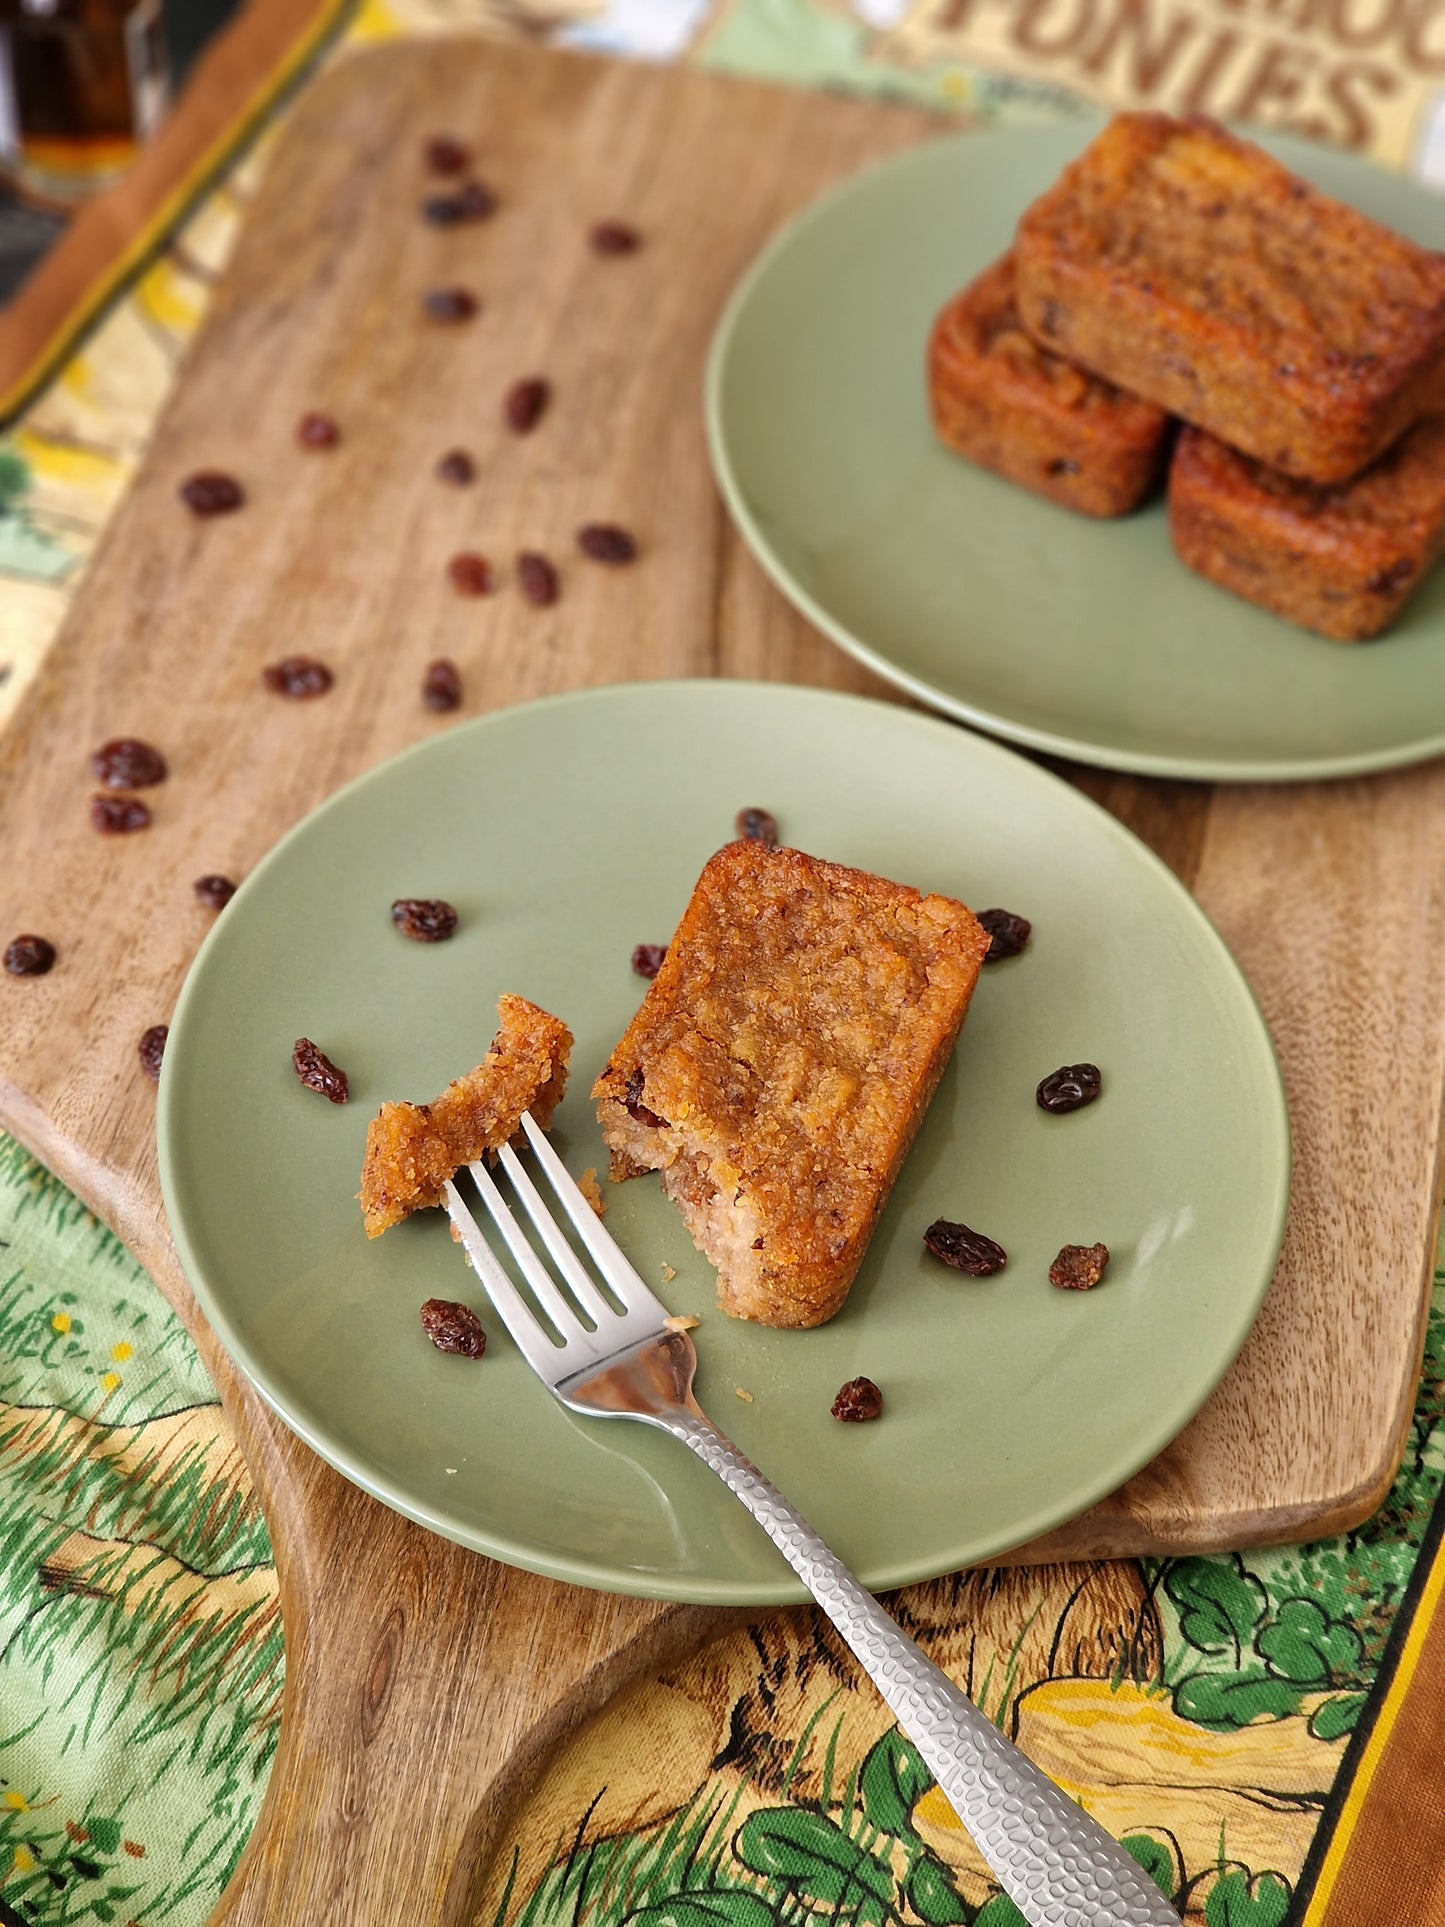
x=636 y=1109
x=526 y=403
x=537 y=578
x=857 y=1401
x=605 y=542
x=1386 y=581
x=210 y=492
x=118 y=815
x=449 y=304
x=1069 y=1089
x=1063 y=466
x=471 y=574
x=453 y=1328
x=298 y=677
x=964 y=1249
x=758 y=826
x=214 y=891
x=1079 y=1267
x=29 y=956
x=1008 y=933
x=647 y=958
x=152 y=1048
x=424 y=919
x=318 y=1073
x=445 y=154
x=317 y=431
x=441 y=687
x=456 y=467
x=614 y=237
x=126 y=763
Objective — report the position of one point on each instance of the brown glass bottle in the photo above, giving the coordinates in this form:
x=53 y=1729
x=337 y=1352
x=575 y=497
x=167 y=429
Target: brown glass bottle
x=87 y=81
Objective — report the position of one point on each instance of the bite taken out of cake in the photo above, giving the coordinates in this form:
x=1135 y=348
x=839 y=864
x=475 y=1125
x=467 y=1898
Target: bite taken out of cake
x=781 y=1063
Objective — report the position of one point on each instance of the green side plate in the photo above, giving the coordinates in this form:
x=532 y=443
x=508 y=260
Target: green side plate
x=567 y=831
x=1087 y=638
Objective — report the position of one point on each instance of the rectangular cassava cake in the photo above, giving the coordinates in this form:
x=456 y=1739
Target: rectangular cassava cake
x=999 y=399
x=412 y=1149
x=1343 y=561
x=781 y=1063
x=1194 y=270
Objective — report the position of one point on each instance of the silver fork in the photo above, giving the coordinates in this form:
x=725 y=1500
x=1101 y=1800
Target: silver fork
x=1057 y=1865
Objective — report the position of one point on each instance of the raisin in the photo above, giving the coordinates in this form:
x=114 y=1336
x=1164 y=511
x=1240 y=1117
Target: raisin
x=537 y=578
x=424 y=919
x=605 y=542
x=636 y=1109
x=445 y=154
x=965 y=1250
x=317 y=431
x=29 y=956
x=152 y=1048
x=1063 y=466
x=297 y=677
x=118 y=815
x=214 y=891
x=453 y=1328
x=317 y=1072
x=456 y=467
x=858 y=1401
x=210 y=492
x=1069 y=1088
x=526 y=403
x=441 y=687
x=1007 y=932
x=614 y=237
x=126 y=763
x=647 y=958
x=471 y=574
x=442 y=210
x=449 y=304
x=1386 y=581
x=1079 y=1267
x=758 y=826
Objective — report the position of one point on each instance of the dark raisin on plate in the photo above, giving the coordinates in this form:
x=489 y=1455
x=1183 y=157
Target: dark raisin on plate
x=445 y=154
x=28 y=956
x=317 y=1072
x=647 y=958
x=456 y=467
x=126 y=763
x=317 y=431
x=526 y=403
x=614 y=237
x=471 y=574
x=118 y=815
x=537 y=578
x=441 y=686
x=424 y=919
x=858 y=1401
x=211 y=492
x=297 y=677
x=1069 y=1088
x=1008 y=933
x=214 y=891
x=605 y=542
x=1079 y=1267
x=151 y=1049
x=453 y=1328
x=449 y=304
x=964 y=1249
x=758 y=826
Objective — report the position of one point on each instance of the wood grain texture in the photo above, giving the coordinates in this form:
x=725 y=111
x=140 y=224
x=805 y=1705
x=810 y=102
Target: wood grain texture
x=423 y=1681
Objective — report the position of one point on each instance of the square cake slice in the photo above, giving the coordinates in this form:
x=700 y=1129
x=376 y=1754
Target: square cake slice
x=1193 y=269
x=781 y=1063
x=1002 y=401
x=412 y=1149
x=1343 y=561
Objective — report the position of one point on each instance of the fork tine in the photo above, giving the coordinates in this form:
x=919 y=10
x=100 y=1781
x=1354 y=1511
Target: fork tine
x=563 y=1316
x=563 y=1256
x=603 y=1248
x=534 y=1344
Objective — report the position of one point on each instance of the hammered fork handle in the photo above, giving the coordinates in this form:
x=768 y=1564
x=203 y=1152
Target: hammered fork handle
x=1057 y=1865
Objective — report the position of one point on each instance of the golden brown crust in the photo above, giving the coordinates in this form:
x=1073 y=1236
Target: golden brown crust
x=1343 y=561
x=781 y=1062
x=1009 y=405
x=1188 y=265
x=412 y=1149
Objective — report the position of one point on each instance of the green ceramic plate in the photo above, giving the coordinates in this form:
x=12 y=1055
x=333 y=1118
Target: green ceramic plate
x=567 y=831
x=1084 y=637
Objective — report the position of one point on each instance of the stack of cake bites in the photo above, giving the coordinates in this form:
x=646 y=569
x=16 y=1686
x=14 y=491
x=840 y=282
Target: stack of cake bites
x=1175 y=271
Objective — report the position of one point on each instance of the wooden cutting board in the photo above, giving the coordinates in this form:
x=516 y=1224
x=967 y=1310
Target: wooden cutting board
x=424 y=1682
